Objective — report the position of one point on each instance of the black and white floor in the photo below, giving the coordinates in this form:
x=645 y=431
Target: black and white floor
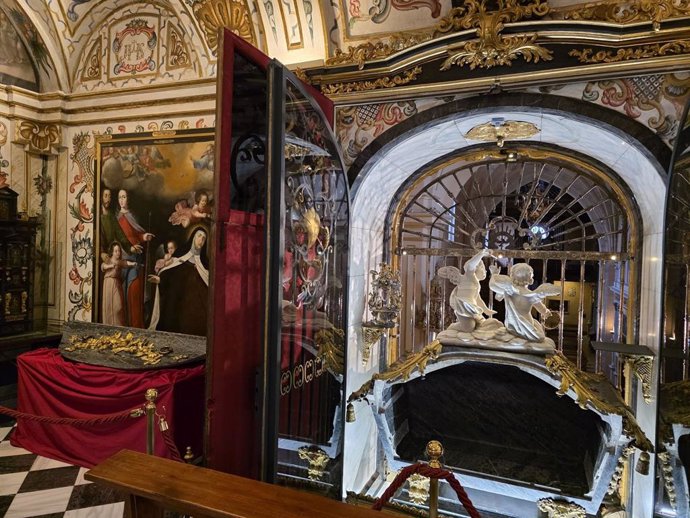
x=34 y=486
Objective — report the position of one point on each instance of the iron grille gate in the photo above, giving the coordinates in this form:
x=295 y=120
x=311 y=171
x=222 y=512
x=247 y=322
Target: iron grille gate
x=566 y=219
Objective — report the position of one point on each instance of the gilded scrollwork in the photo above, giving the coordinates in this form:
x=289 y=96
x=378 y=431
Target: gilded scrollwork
x=382 y=82
x=630 y=53
x=371 y=50
x=596 y=390
x=370 y=336
x=40 y=137
x=491 y=48
x=632 y=11
x=561 y=508
x=317 y=460
x=401 y=369
x=213 y=15
x=488 y=50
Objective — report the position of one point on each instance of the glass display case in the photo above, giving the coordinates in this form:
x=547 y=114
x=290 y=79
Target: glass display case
x=281 y=250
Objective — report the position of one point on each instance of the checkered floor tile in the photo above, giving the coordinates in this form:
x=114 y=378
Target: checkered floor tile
x=34 y=486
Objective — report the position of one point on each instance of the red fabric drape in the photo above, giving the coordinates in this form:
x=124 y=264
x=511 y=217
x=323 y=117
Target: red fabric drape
x=49 y=385
x=233 y=426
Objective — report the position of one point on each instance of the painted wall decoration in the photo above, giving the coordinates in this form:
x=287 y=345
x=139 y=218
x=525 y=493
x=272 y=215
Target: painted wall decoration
x=362 y=18
x=72 y=11
x=134 y=47
x=655 y=101
x=15 y=63
x=153 y=213
x=357 y=126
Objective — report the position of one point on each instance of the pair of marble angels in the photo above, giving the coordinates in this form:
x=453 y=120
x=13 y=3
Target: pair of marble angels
x=520 y=331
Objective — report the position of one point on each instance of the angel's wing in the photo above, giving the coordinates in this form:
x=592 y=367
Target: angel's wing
x=451 y=273
x=502 y=285
x=548 y=290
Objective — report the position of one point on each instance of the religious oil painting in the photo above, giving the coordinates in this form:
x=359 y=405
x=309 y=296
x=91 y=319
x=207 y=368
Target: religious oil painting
x=154 y=209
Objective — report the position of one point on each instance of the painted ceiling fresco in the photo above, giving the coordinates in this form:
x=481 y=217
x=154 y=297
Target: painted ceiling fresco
x=16 y=64
x=82 y=38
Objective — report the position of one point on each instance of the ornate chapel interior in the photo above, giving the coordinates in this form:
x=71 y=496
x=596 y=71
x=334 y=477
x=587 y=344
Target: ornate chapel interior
x=355 y=157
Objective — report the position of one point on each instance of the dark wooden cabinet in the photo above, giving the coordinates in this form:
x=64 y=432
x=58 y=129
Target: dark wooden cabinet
x=17 y=264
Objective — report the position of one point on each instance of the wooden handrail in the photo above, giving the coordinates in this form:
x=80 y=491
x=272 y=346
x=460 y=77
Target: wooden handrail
x=153 y=484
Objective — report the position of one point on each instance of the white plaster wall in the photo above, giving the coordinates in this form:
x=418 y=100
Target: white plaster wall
x=394 y=163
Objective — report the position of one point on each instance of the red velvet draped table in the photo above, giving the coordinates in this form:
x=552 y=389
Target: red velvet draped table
x=49 y=385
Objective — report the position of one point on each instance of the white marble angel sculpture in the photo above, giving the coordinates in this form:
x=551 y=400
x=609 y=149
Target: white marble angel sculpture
x=519 y=300
x=465 y=300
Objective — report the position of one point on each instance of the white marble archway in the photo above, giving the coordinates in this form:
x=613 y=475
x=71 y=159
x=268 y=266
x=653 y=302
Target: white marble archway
x=382 y=175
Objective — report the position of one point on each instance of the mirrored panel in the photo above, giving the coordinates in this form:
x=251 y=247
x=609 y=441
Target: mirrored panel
x=673 y=437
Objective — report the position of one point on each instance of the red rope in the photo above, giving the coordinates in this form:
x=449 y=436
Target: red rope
x=427 y=471
x=108 y=418
x=174 y=452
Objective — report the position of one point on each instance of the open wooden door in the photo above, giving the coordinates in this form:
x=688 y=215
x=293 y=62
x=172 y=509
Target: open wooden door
x=277 y=349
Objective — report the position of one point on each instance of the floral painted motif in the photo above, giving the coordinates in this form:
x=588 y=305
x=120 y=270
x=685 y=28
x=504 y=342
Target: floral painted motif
x=83 y=157
x=657 y=100
x=358 y=126
x=43 y=184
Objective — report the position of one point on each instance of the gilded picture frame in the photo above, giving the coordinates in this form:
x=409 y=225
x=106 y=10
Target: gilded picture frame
x=153 y=213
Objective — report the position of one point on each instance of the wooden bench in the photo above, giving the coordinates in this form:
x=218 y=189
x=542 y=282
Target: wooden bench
x=153 y=484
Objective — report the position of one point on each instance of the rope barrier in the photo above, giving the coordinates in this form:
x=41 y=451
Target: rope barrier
x=427 y=471
x=104 y=419
x=172 y=448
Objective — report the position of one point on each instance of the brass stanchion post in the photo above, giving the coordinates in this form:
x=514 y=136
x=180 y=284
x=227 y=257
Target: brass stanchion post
x=151 y=395
x=434 y=451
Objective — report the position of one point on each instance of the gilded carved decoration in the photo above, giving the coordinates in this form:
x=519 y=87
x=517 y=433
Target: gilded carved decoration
x=595 y=390
x=212 y=15
x=382 y=82
x=369 y=51
x=617 y=477
x=401 y=369
x=667 y=477
x=491 y=48
x=317 y=460
x=630 y=11
x=419 y=488
x=331 y=345
x=642 y=367
x=488 y=50
x=40 y=137
x=178 y=53
x=644 y=51
x=500 y=132
x=561 y=508
x=93 y=68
